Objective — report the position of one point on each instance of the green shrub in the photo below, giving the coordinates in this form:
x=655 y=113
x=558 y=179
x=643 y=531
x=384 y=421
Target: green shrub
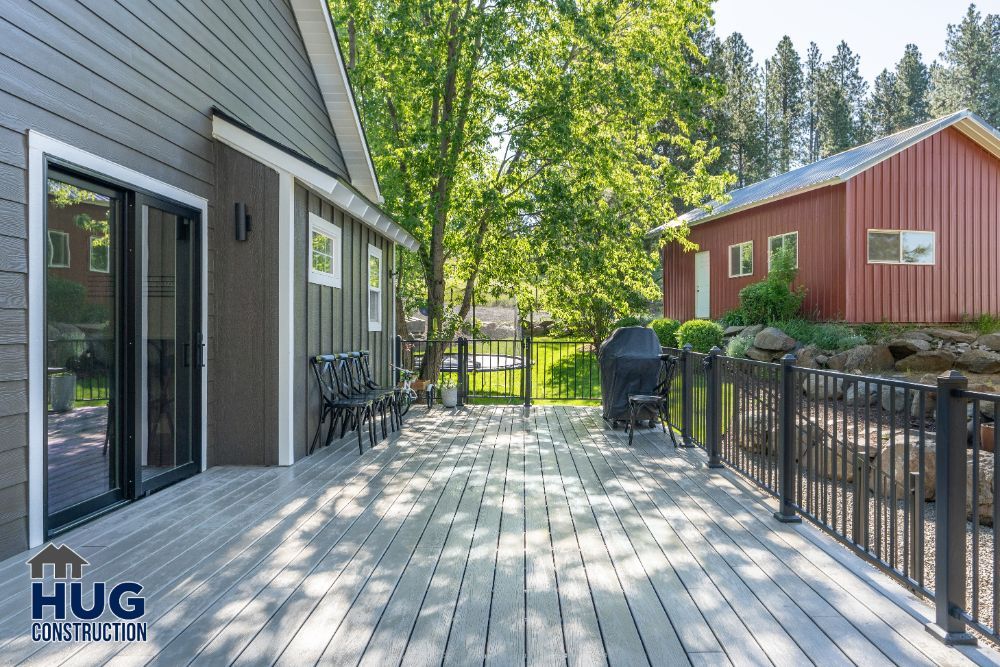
x=880 y=332
x=666 y=331
x=826 y=336
x=773 y=299
x=982 y=324
x=733 y=318
x=702 y=335
x=631 y=321
x=738 y=346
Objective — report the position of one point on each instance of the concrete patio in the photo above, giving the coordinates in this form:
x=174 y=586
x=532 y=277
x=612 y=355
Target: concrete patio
x=485 y=534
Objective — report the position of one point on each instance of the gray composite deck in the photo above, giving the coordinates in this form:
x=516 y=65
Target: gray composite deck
x=484 y=535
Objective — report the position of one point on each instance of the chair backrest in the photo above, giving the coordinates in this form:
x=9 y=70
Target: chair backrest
x=366 y=369
x=668 y=371
x=343 y=372
x=326 y=379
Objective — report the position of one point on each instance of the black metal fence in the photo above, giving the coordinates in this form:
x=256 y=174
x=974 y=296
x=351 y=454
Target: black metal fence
x=89 y=360
x=519 y=370
x=900 y=472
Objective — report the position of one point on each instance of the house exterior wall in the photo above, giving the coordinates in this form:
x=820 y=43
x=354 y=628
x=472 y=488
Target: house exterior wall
x=817 y=216
x=947 y=184
x=135 y=83
x=331 y=319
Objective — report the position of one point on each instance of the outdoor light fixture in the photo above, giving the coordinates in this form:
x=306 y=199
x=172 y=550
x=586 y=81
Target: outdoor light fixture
x=242 y=221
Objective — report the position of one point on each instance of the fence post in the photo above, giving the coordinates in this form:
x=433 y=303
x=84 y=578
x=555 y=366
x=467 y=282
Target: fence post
x=713 y=408
x=950 y=551
x=687 y=395
x=463 y=369
x=397 y=359
x=786 y=443
x=526 y=362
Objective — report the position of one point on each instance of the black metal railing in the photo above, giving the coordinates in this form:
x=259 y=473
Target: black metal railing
x=89 y=360
x=900 y=472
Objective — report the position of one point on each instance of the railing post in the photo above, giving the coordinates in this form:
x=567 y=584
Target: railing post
x=526 y=359
x=713 y=407
x=463 y=369
x=397 y=359
x=687 y=396
x=950 y=551
x=786 y=443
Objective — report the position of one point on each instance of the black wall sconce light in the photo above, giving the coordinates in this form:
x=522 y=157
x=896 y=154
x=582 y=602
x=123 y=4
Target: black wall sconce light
x=242 y=221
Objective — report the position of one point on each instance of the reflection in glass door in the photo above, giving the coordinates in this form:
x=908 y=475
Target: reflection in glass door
x=170 y=349
x=84 y=451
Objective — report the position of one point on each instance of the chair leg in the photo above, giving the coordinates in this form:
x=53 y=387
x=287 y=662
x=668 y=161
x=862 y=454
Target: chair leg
x=357 y=427
x=631 y=423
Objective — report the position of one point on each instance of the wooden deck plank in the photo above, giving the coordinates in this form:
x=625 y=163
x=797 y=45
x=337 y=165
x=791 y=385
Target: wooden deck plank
x=487 y=534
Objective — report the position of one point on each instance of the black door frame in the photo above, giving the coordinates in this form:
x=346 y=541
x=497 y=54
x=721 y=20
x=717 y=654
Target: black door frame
x=128 y=304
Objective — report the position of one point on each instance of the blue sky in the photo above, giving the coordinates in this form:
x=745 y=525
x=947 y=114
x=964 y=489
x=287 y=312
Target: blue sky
x=877 y=30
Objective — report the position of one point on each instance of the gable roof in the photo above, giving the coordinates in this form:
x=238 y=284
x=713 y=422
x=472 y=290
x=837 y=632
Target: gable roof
x=320 y=39
x=839 y=168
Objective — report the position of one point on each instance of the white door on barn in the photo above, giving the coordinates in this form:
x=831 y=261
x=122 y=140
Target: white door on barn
x=701 y=283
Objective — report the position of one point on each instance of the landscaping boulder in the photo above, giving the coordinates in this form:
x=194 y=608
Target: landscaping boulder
x=979 y=361
x=909 y=462
x=929 y=406
x=983 y=496
x=950 y=335
x=861 y=394
x=822 y=387
x=894 y=399
x=761 y=355
x=864 y=358
x=733 y=331
x=752 y=331
x=916 y=335
x=807 y=357
x=904 y=347
x=931 y=360
x=773 y=339
x=990 y=341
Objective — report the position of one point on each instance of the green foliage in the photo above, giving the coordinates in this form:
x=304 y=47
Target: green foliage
x=982 y=324
x=773 y=299
x=824 y=335
x=733 y=318
x=738 y=346
x=66 y=303
x=666 y=331
x=702 y=335
x=878 y=332
x=968 y=74
x=783 y=105
x=631 y=321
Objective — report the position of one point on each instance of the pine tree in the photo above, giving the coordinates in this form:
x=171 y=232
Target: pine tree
x=967 y=76
x=842 y=91
x=813 y=70
x=883 y=105
x=784 y=105
x=911 y=89
x=741 y=126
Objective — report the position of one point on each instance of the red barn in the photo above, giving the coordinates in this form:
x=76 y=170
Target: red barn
x=903 y=229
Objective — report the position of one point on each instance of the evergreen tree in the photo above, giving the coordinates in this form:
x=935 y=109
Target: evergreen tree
x=968 y=75
x=883 y=105
x=784 y=105
x=740 y=127
x=813 y=70
x=842 y=90
x=911 y=89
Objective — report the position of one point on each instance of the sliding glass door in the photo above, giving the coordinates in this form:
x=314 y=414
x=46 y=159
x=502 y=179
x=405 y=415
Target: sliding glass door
x=124 y=347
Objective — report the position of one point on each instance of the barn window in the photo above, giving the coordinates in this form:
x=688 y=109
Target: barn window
x=374 y=288
x=899 y=247
x=99 y=259
x=775 y=243
x=58 y=250
x=325 y=251
x=741 y=259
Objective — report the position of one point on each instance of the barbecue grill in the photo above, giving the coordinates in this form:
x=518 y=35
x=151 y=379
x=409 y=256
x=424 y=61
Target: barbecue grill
x=630 y=364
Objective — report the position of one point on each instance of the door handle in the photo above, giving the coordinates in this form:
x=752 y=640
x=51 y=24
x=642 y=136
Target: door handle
x=201 y=351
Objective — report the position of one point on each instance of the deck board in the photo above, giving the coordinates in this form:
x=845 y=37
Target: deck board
x=481 y=535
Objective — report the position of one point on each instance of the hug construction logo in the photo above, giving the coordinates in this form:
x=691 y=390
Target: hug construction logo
x=66 y=610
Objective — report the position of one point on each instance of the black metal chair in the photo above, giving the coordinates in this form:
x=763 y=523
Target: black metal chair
x=338 y=405
x=368 y=379
x=384 y=399
x=657 y=402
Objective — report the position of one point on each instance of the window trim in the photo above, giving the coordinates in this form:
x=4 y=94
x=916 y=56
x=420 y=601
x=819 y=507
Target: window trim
x=48 y=239
x=332 y=231
x=90 y=257
x=898 y=232
x=374 y=251
x=783 y=234
x=729 y=256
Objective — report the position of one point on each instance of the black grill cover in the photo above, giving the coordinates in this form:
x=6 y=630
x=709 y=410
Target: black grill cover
x=630 y=364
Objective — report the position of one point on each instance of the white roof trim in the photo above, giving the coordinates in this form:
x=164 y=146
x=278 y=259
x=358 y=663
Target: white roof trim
x=339 y=192
x=316 y=27
x=966 y=122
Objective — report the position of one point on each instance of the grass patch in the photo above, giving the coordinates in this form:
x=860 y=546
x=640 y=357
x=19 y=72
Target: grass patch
x=981 y=324
x=824 y=335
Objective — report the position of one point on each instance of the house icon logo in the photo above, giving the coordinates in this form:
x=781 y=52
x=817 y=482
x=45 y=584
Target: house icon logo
x=66 y=563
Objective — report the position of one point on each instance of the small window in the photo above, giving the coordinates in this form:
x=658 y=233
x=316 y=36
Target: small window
x=325 y=251
x=100 y=258
x=899 y=247
x=374 y=288
x=741 y=259
x=58 y=249
x=789 y=240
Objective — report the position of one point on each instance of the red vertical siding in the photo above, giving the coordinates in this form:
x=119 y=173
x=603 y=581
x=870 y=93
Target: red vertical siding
x=946 y=184
x=818 y=218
